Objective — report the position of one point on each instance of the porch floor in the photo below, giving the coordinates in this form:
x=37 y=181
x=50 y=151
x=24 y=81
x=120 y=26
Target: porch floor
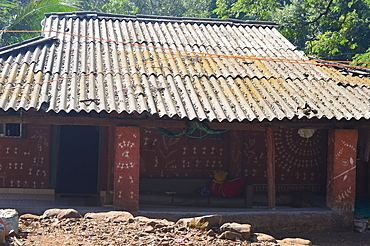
x=174 y=213
x=38 y=203
x=164 y=209
x=44 y=201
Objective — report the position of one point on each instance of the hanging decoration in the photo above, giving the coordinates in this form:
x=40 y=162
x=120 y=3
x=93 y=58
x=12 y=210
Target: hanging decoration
x=306 y=133
x=189 y=130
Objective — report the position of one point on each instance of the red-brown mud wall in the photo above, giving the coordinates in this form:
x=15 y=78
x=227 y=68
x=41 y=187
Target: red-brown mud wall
x=25 y=162
x=299 y=160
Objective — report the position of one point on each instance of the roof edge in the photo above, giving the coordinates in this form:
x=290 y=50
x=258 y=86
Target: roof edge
x=26 y=44
x=344 y=68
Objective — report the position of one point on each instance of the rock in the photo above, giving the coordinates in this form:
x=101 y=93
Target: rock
x=60 y=213
x=50 y=213
x=294 y=242
x=113 y=216
x=243 y=229
x=230 y=235
x=12 y=233
x=165 y=243
x=142 y=219
x=261 y=237
x=56 y=223
x=211 y=233
x=69 y=213
x=7 y=226
x=149 y=229
x=167 y=229
x=29 y=217
x=360 y=225
x=182 y=228
x=157 y=223
x=207 y=221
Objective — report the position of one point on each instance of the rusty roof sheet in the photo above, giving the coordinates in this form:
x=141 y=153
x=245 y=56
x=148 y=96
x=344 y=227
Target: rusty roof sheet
x=206 y=69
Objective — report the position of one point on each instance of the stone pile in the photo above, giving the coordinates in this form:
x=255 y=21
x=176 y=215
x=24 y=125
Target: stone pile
x=362 y=224
x=68 y=227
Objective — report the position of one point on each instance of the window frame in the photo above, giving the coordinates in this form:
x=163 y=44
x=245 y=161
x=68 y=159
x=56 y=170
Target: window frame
x=5 y=131
x=5 y=127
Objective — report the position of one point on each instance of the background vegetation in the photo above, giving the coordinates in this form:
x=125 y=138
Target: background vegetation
x=327 y=29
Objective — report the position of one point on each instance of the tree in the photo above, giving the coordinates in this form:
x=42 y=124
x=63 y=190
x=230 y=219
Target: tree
x=109 y=6
x=195 y=8
x=6 y=11
x=329 y=29
x=27 y=15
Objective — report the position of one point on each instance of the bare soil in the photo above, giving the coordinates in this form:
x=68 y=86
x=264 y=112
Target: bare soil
x=139 y=231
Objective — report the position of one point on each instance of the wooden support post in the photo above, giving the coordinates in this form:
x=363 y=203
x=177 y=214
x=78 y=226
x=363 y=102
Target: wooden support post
x=341 y=179
x=236 y=154
x=111 y=157
x=271 y=193
x=367 y=181
x=126 y=168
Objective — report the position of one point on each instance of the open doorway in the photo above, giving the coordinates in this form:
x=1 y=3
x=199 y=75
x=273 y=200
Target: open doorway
x=78 y=160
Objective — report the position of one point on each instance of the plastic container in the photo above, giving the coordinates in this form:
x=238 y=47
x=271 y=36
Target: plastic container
x=2 y=233
x=11 y=217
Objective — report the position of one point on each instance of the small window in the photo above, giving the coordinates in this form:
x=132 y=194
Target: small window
x=11 y=130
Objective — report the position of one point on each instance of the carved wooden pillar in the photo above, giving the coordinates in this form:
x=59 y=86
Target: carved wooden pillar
x=111 y=157
x=236 y=158
x=126 y=169
x=271 y=193
x=341 y=182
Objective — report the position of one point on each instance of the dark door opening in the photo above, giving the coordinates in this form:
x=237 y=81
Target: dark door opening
x=78 y=160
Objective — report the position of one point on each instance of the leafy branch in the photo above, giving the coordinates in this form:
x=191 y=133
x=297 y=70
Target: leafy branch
x=29 y=17
x=326 y=12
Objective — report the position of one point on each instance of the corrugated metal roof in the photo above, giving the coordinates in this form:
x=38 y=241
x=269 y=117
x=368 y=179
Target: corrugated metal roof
x=206 y=69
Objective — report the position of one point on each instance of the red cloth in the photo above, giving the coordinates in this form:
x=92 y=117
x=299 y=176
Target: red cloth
x=227 y=188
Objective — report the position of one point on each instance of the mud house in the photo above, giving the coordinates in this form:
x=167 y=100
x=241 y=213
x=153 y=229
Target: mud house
x=141 y=106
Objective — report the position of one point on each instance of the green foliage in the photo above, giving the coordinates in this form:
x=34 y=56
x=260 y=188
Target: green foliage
x=6 y=5
x=332 y=40
x=199 y=8
x=365 y=58
x=7 y=9
x=329 y=29
x=341 y=33
x=111 y=6
x=247 y=9
x=28 y=17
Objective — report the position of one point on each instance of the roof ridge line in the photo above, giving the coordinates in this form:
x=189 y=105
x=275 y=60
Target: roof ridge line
x=159 y=18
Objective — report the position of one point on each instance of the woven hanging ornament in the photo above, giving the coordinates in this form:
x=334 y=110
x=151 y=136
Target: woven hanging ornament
x=306 y=133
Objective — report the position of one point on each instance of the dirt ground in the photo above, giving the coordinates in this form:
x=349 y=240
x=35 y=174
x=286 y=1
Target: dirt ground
x=142 y=231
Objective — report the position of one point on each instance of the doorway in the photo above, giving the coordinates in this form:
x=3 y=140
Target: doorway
x=78 y=160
